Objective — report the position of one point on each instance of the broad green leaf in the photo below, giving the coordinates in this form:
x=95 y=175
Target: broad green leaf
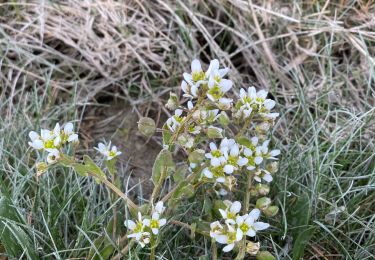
x=163 y=166
x=180 y=173
x=81 y=169
x=93 y=168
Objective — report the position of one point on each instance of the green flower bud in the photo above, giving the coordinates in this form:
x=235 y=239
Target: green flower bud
x=214 y=132
x=41 y=168
x=263 y=203
x=271 y=211
x=196 y=156
x=254 y=193
x=265 y=255
x=172 y=102
x=252 y=248
x=224 y=119
x=146 y=126
x=262 y=189
x=186 y=141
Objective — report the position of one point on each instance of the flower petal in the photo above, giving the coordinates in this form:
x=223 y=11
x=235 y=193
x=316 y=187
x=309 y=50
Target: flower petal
x=260 y=226
x=228 y=248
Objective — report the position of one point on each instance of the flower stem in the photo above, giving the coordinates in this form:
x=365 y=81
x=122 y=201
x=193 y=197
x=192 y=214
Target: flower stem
x=110 y=185
x=246 y=203
x=152 y=256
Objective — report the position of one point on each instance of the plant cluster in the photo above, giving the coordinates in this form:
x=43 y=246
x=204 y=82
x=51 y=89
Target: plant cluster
x=227 y=149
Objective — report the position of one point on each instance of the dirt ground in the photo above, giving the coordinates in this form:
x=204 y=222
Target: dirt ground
x=116 y=121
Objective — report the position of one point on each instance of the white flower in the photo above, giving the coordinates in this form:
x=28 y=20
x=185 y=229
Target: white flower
x=247 y=225
x=68 y=131
x=230 y=238
x=107 y=151
x=43 y=141
x=263 y=174
x=216 y=229
x=159 y=207
x=137 y=230
x=155 y=223
x=233 y=159
x=216 y=155
x=53 y=155
x=230 y=213
x=175 y=121
x=192 y=81
x=262 y=151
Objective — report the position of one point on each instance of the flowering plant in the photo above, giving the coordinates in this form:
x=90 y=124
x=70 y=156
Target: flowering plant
x=228 y=154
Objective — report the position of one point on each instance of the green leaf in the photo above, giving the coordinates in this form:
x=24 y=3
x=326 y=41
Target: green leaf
x=93 y=168
x=180 y=173
x=12 y=236
x=300 y=218
x=163 y=166
x=265 y=255
x=243 y=140
x=167 y=135
x=81 y=169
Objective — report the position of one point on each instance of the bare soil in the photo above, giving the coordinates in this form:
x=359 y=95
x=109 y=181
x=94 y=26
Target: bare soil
x=116 y=121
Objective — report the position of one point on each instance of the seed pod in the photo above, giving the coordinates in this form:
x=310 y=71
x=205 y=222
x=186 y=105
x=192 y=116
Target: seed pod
x=214 y=132
x=224 y=119
x=263 y=203
x=146 y=126
x=262 y=189
x=271 y=211
x=265 y=255
x=252 y=248
x=172 y=102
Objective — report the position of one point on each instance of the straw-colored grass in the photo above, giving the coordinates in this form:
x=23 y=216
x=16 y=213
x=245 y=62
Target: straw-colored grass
x=59 y=60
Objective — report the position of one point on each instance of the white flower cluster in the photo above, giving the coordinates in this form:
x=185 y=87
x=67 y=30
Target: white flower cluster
x=212 y=81
x=145 y=227
x=230 y=158
x=108 y=151
x=52 y=141
x=234 y=227
x=251 y=102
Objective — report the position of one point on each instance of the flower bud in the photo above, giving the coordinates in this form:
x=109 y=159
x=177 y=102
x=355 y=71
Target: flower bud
x=263 y=203
x=272 y=167
x=265 y=255
x=41 y=168
x=230 y=182
x=186 y=141
x=254 y=193
x=252 y=248
x=263 y=127
x=271 y=211
x=262 y=189
x=172 y=102
x=146 y=126
x=214 y=132
x=223 y=118
x=196 y=156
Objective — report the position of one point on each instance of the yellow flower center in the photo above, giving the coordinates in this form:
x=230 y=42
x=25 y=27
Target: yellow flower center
x=154 y=223
x=197 y=76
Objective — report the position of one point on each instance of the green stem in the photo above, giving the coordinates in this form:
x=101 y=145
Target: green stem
x=214 y=249
x=110 y=185
x=152 y=256
x=246 y=204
